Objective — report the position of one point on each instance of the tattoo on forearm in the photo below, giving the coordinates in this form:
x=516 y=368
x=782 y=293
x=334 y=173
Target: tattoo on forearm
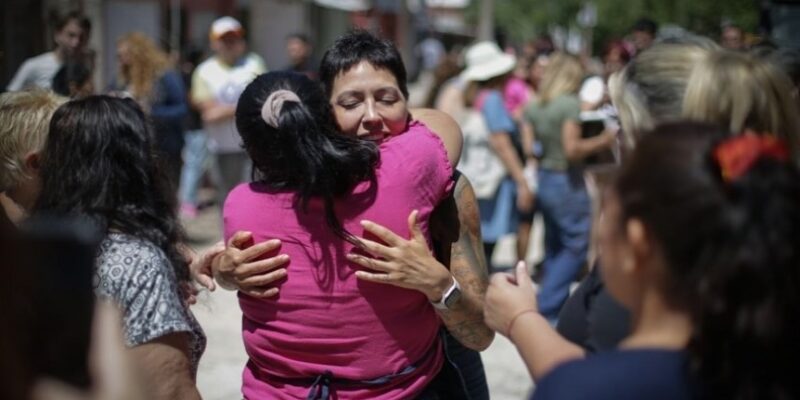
x=468 y=266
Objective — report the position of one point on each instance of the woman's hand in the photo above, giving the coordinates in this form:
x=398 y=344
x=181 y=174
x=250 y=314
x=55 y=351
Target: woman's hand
x=404 y=263
x=507 y=298
x=239 y=266
x=200 y=266
x=199 y=270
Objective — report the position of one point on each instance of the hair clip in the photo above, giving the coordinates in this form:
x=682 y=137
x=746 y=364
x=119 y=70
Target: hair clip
x=735 y=156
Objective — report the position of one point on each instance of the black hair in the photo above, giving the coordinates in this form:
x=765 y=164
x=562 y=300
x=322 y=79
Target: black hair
x=299 y=36
x=645 y=25
x=78 y=17
x=99 y=162
x=72 y=72
x=731 y=25
x=304 y=153
x=732 y=253
x=356 y=46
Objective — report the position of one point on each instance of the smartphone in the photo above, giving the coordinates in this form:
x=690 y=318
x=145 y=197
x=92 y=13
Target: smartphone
x=62 y=254
x=592 y=124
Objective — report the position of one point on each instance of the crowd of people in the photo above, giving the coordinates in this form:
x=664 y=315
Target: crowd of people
x=359 y=230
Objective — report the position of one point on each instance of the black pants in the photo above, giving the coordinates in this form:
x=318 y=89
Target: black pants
x=462 y=376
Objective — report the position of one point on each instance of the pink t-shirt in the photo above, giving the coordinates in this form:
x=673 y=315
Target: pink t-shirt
x=324 y=318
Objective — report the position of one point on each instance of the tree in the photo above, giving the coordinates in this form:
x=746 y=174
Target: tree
x=525 y=19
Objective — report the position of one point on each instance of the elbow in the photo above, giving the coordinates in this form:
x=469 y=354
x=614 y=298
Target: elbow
x=485 y=341
x=572 y=154
x=482 y=341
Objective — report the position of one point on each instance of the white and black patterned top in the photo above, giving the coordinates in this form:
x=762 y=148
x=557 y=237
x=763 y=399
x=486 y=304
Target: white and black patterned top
x=138 y=276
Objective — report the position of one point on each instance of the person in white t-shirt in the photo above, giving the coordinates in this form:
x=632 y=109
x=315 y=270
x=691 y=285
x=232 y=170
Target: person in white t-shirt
x=217 y=84
x=38 y=72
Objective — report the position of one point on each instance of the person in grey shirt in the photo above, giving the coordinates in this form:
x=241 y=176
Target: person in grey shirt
x=38 y=72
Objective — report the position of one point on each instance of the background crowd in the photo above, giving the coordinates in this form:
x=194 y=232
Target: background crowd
x=362 y=213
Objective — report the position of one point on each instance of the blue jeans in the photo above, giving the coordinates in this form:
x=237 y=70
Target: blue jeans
x=195 y=153
x=566 y=210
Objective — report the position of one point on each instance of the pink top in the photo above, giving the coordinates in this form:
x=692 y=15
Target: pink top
x=324 y=318
x=515 y=95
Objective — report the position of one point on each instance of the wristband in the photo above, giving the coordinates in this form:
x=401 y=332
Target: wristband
x=514 y=319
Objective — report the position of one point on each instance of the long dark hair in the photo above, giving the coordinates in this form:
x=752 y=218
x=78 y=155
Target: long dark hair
x=99 y=162
x=356 y=46
x=304 y=152
x=732 y=250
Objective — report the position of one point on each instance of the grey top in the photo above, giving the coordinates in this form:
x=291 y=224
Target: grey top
x=36 y=72
x=137 y=275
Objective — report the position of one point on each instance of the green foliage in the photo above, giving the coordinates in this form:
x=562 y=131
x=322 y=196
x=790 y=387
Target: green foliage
x=525 y=19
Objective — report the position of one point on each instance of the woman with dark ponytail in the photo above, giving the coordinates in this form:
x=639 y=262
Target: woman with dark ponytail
x=317 y=330
x=294 y=150
x=701 y=241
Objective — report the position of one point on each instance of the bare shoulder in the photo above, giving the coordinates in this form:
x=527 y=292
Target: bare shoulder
x=444 y=126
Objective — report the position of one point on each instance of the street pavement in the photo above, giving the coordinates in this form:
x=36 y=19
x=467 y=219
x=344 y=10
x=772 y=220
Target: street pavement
x=219 y=375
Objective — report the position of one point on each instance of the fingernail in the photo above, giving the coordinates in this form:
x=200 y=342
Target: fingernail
x=284 y=257
x=365 y=222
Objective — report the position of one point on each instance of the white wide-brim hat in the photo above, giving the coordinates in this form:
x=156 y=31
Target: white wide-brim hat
x=485 y=60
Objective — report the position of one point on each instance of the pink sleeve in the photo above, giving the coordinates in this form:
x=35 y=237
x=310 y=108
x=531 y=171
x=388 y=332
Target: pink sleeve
x=438 y=173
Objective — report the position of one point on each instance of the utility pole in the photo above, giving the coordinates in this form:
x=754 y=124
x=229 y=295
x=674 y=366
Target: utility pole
x=486 y=20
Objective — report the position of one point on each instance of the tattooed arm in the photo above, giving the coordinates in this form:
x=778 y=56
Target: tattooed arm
x=409 y=263
x=457 y=228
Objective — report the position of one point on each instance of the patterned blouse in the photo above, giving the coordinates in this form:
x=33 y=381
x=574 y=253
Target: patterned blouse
x=137 y=275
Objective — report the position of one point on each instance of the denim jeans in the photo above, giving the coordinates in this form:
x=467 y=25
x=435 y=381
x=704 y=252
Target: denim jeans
x=566 y=210
x=195 y=153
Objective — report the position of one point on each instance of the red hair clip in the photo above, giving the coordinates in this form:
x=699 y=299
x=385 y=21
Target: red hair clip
x=737 y=155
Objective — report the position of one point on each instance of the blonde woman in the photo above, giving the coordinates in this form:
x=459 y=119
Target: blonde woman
x=146 y=75
x=651 y=89
x=562 y=196
x=24 y=121
x=740 y=92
